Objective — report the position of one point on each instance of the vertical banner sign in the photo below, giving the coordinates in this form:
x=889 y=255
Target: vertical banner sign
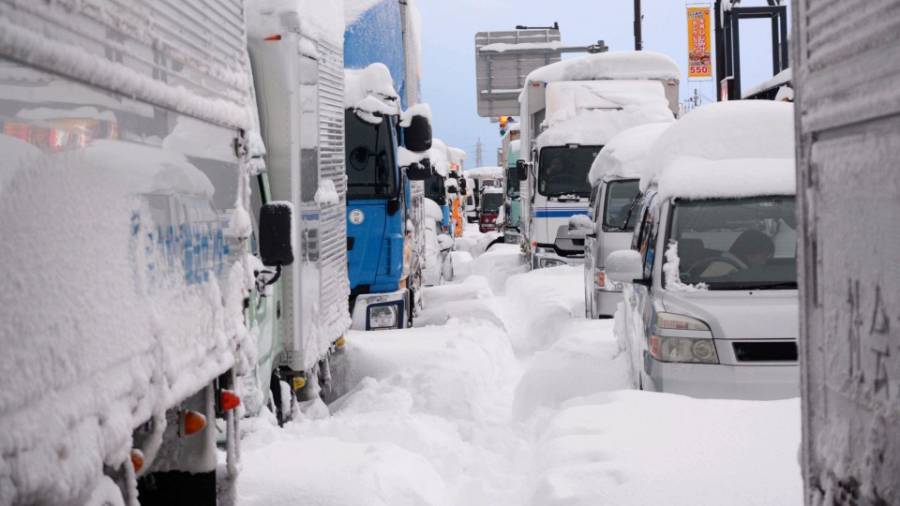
x=699 y=56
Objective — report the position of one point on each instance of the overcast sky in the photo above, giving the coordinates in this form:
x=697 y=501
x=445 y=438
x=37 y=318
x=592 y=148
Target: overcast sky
x=448 y=50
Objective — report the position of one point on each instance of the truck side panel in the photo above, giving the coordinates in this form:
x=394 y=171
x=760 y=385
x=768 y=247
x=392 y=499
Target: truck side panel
x=848 y=188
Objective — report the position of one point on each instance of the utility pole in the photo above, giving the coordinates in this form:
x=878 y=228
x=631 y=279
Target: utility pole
x=638 y=38
x=478 y=153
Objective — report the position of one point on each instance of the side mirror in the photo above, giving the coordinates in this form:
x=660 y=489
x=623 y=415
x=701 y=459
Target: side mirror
x=276 y=226
x=417 y=136
x=521 y=170
x=452 y=190
x=462 y=185
x=419 y=171
x=580 y=224
x=625 y=266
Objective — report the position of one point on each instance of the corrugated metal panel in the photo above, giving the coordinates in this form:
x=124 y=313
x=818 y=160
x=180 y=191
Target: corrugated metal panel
x=846 y=70
x=185 y=55
x=335 y=284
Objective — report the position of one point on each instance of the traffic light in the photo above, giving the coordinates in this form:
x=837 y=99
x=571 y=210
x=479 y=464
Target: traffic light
x=504 y=120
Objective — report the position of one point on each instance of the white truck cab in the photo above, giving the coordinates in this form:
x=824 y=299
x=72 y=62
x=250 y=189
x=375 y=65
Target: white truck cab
x=711 y=304
x=612 y=212
x=570 y=110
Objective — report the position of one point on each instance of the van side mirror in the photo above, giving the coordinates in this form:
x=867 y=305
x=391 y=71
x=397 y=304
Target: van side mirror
x=521 y=170
x=419 y=171
x=417 y=136
x=276 y=223
x=625 y=266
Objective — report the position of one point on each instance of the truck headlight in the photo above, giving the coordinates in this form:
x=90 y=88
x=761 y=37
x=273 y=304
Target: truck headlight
x=549 y=262
x=683 y=349
x=384 y=316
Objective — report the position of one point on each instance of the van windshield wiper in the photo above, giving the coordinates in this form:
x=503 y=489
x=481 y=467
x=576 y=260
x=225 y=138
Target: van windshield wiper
x=630 y=211
x=775 y=285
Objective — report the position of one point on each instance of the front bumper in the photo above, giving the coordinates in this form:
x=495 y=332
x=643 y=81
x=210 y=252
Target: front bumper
x=712 y=381
x=362 y=317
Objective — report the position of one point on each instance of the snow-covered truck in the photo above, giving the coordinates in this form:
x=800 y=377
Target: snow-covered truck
x=848 y=139
x=569 y=110
x=388 y=134
x=124 y=238
x=297 y=63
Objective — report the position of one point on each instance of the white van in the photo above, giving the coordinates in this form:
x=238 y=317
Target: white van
x=613 y=211
x=711 y=280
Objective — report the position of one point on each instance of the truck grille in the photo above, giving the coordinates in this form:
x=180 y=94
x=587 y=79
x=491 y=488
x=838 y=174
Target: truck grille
x=766 y=351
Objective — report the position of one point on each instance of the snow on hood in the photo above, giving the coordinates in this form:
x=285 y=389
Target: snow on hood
x=616 y=65
x=623 y=156
x=727 y=149
x=314 y=19
x=433 y=211
x=370 y=92
x=479 y=172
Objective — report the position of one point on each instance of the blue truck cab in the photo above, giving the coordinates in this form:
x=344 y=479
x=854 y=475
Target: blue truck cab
x=386 y=149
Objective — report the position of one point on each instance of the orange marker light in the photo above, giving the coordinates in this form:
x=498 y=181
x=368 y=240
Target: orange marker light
x=273 y=37
x=192 y=423
x=137 y=460
x=230 y=400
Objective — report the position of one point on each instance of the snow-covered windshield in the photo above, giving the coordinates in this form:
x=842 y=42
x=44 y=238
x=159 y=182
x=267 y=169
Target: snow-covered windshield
x=491 y=202
x=621 y=205
x=736 y=244
x=512 y=182
x=370 y=158
x=564 y=170
x=434 y=189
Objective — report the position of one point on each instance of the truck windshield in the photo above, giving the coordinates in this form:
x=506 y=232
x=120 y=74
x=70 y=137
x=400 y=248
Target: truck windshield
x=621 y=210
x=491 y=202
x=370 y=158
x=512 y=182
x=564 y=170
x=737 y=244
x=434 y=189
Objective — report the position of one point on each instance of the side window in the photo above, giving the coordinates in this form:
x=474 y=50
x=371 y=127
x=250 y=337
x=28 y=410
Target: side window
x=592 y=206
x=650 y=247
x=637 y=240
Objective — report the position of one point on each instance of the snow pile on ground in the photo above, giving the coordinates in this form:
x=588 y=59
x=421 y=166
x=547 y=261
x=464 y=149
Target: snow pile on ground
x=632 y=447
x=516 y=399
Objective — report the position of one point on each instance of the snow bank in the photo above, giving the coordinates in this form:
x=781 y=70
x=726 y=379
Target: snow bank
x=632 y=447
x=727 y=149
x=548 y=299
x=612 y=65
x=623 y=156
x=315 y=20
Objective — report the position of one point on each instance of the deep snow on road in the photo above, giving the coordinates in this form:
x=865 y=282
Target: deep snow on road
x=504 y=394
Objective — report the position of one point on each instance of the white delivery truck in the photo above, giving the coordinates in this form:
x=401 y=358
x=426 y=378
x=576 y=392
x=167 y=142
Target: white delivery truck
x=298 y=75
x=569 y=110
x=125 y=231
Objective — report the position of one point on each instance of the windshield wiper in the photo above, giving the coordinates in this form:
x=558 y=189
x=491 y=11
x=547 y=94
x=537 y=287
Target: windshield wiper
x=775 y=285
x=630 y=211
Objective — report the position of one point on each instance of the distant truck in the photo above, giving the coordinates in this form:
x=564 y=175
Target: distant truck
x=489 y=216
x=569 y=110
x=127 y=249
x=387 y=135
x=304 y=319
x=848 y=135
x=513 y=203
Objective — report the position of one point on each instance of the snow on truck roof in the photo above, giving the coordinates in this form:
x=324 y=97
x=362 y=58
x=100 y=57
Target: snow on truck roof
x=726 y=150
x=616 y=65
x=592 y=113
x=314 y=19
x=624 y=155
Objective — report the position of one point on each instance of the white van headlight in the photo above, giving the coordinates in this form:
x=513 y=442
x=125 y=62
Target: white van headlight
x=679 y=322
x=683 y=349
x=383 y=317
